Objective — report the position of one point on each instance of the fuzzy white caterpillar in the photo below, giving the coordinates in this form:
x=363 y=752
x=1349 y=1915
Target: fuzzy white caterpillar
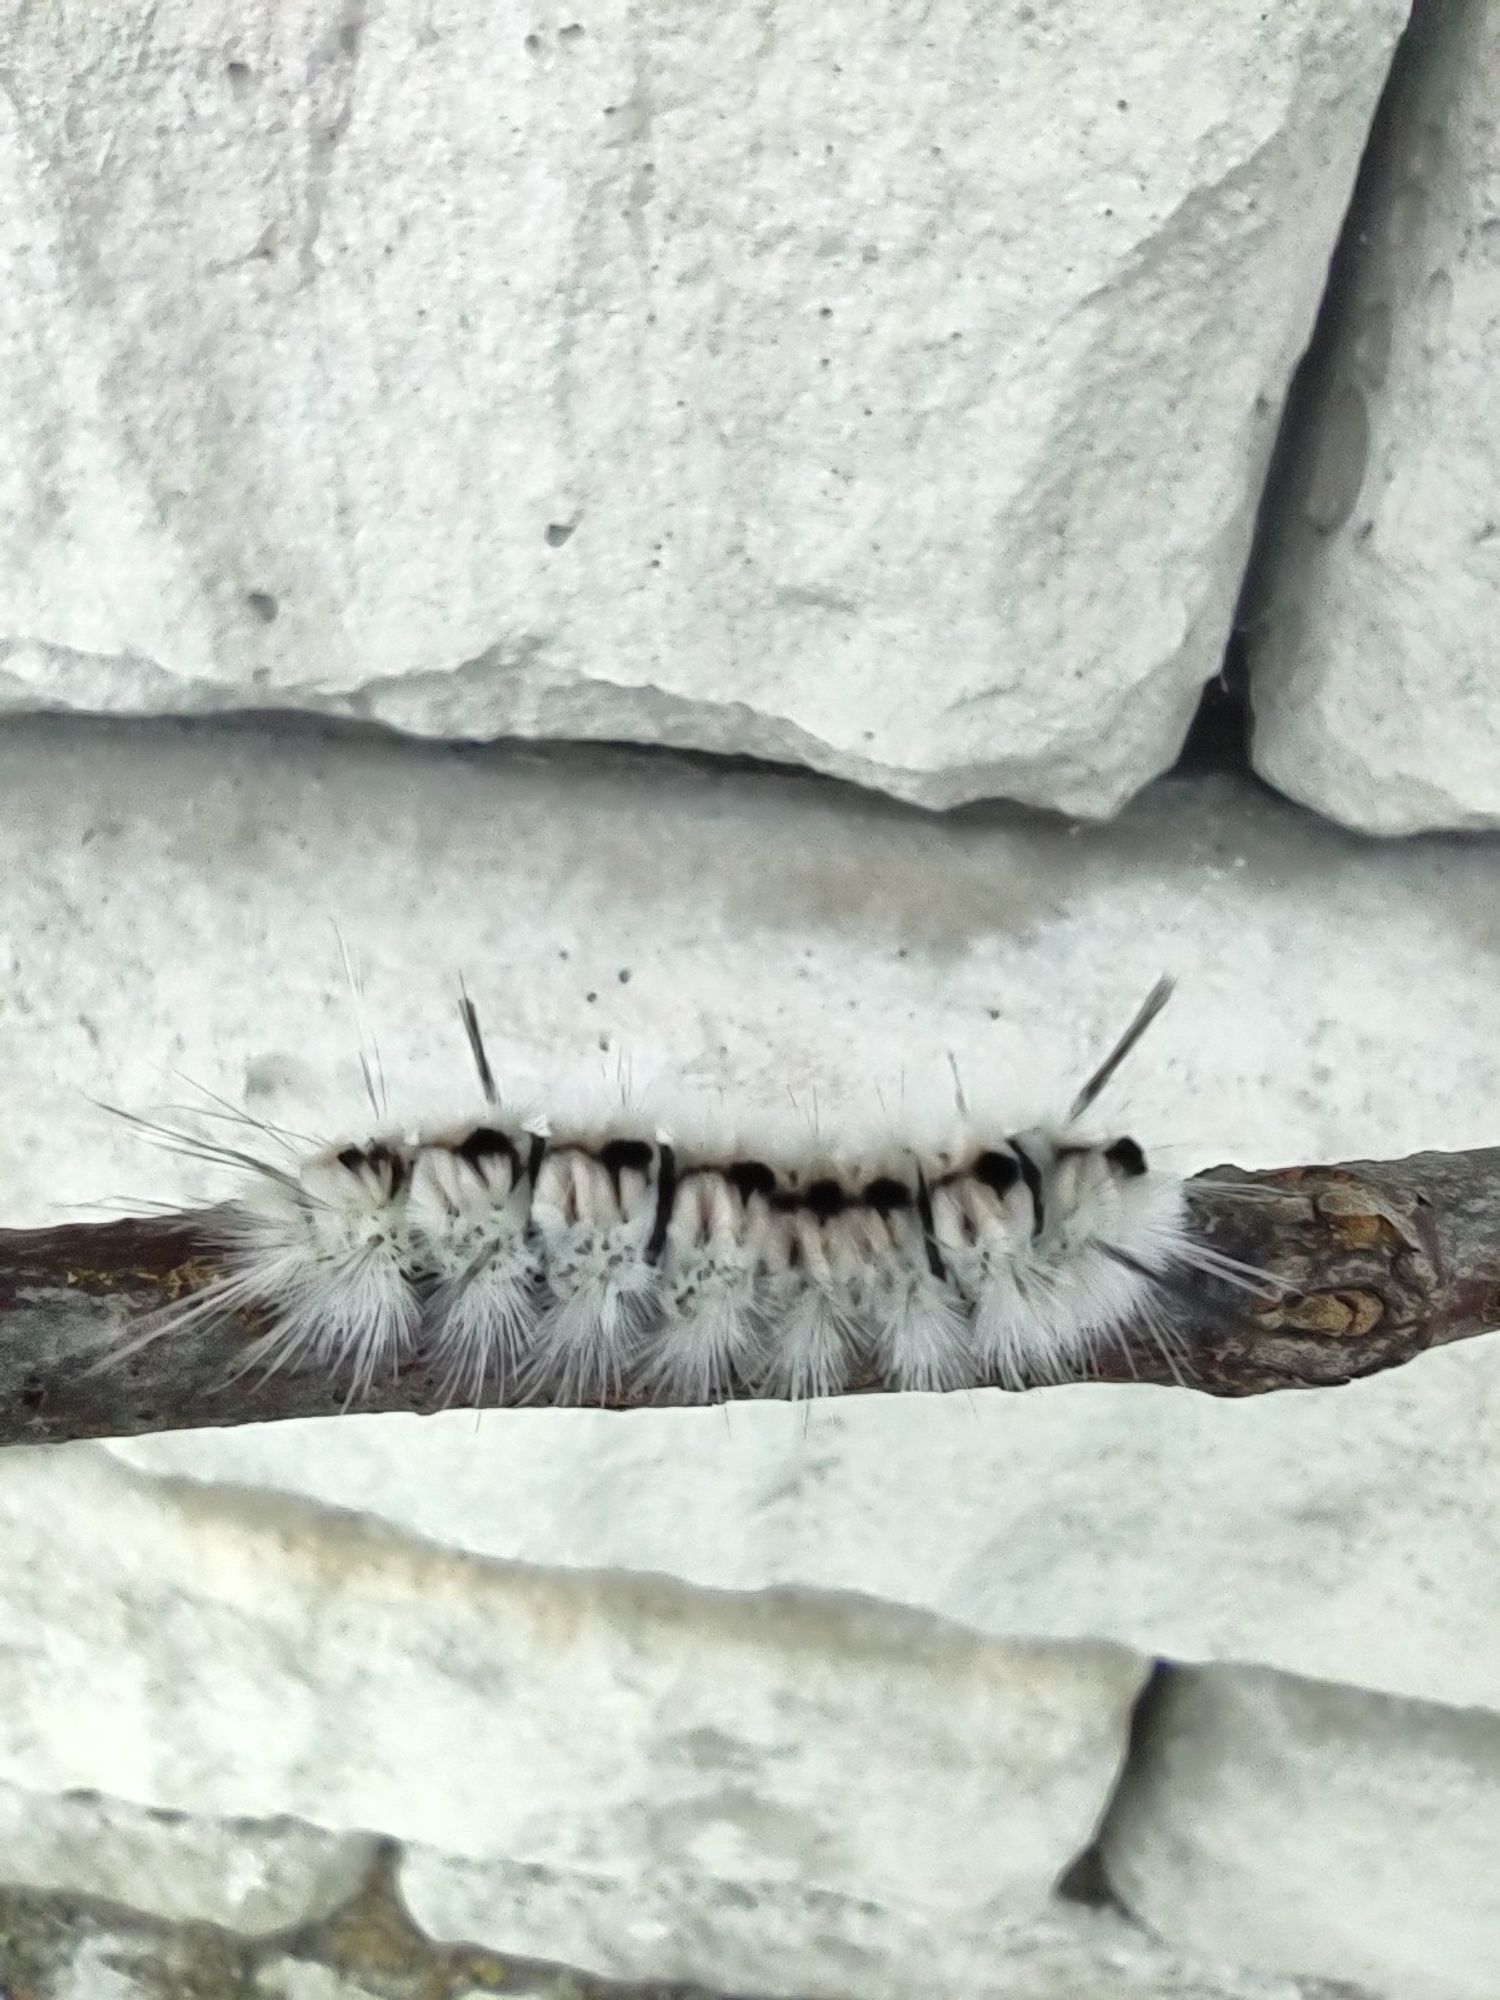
x=589 y=1266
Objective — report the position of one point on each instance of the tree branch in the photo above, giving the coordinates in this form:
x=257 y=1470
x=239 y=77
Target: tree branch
x=1376 y=1261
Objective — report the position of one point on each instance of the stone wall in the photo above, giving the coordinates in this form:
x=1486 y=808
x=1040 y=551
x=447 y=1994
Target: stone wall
x=894 y=395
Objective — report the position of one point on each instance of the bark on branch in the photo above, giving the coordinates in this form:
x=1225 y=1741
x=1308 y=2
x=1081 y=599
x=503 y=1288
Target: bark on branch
x=1378 y=1261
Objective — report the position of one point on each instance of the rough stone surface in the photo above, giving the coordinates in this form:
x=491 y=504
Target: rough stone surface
x=239 y=1654
x=252 y=1879
x=1342 y=1533
x=1316 y=1830
x=52 y=1950
x=369 y=1949
x=1336 y=999
x=1373 y=652
x=105 y=1968
x=820 y=389
x=820 y=1947
x=169 y=895
x=55 y=1950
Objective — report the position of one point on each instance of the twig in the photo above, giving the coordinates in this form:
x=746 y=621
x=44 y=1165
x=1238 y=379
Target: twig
x=1375 y=1262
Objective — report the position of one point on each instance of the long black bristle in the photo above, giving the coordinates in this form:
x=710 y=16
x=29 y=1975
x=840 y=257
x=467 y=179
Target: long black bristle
x=468 y=1014
x=1149 y=1008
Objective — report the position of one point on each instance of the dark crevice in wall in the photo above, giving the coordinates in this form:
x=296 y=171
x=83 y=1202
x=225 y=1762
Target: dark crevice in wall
x=1297 y=497
x=1086 y=1879
x=587 y=759
x=1220 y=737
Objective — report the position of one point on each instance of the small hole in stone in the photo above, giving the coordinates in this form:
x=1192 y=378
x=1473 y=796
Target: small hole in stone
x=239 y=73
x=571 y=32
x=262 y=604
x=532 y=43
x=558 y=532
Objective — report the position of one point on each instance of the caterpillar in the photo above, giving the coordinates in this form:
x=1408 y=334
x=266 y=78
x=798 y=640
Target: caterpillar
x=589 y=1264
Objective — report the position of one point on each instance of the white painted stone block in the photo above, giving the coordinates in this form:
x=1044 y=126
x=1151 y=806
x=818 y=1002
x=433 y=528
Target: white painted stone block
x=808 y=1946
x=1338 y=1533
x=1375 y=681
x=250 y=1878
x=882 y=391
x=229 y=1653
x=1316 y=1830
